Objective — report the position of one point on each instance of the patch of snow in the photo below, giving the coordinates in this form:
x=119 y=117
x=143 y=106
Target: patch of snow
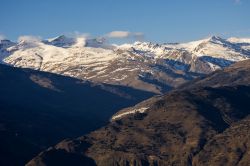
x=120 y=78
x=140 y=110
x=120 y=69
x=238 y=40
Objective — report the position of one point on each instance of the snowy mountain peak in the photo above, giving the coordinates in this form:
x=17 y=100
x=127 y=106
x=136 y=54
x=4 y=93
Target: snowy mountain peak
x=215 y=38
x=146 y=46
x=66 y=42
x=141 y=64
x=96 y=42
x=61 y=41
x=58 y=38
x=218 y=40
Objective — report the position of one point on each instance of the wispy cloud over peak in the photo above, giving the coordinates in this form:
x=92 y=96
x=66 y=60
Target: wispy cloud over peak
x=29 y=39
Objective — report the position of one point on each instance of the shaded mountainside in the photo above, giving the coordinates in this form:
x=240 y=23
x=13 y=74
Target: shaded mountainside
x=38 y=109
x=204 y=123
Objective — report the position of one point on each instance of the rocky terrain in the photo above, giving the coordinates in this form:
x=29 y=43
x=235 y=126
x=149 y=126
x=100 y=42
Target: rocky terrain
x=204 y=122
x=39 y=109
x=142 y=65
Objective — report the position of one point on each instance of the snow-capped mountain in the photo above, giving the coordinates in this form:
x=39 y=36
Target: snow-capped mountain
x=66 y=42
x=142 y=65
x=60 y=41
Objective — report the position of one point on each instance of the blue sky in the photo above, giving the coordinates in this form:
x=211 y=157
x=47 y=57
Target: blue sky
x=158 y=20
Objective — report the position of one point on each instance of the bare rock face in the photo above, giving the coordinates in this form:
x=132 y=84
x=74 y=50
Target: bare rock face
x=153 y=67
x=204 y=123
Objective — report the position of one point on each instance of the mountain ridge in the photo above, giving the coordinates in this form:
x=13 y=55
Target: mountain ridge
x=141 y=65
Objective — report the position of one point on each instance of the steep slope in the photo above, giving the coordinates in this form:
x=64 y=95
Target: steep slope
x=38 y=109
x=204 y=123
x=147 y=66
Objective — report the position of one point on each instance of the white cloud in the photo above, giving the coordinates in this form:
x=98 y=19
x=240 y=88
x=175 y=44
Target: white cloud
x=80 y=42
x=125 y=34
x=118 y=34
x=30 y=39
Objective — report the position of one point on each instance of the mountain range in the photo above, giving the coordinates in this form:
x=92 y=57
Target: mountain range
x=142 y=65
x=157 y=104
x=204 y=122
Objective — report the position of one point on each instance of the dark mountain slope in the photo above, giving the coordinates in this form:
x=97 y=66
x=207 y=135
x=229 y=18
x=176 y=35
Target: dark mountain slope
x=38 y=109
x=184 y=127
